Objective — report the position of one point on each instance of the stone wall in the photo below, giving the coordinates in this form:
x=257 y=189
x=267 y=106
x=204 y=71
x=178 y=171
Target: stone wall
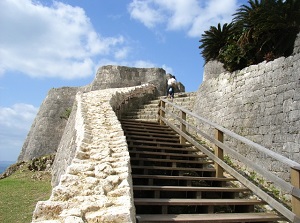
x=48 y=126
x=120 y=102
x=97 y=185
x=260 y=102
x=112 y=76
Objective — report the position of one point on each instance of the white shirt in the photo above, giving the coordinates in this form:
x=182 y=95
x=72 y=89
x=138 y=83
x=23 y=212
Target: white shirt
x=171 y=81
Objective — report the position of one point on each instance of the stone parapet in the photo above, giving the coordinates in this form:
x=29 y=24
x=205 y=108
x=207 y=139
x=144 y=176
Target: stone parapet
x=96 y=184
x=46 y=131
x=112 y=76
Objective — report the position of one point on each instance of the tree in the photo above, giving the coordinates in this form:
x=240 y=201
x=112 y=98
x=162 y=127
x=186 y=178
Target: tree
x=269 y=26
x=214 y=40
x=262 y=30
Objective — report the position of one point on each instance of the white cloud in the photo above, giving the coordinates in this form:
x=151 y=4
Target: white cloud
x=55 y=41
x=194 y=16
x=168 y=69
x=216 y=11
x=136 y=63
x=143 y=64
x=145 y=11
x=122 y=53
x=15 y=123
x=180 y=12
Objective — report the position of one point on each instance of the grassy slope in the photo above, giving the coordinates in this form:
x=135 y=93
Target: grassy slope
x=20 y=192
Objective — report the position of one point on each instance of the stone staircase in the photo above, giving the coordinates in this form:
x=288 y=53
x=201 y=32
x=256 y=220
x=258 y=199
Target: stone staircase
x=173 y=182
x=148 y=112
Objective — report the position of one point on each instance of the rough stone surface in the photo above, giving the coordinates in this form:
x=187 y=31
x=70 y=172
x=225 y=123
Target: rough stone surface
x=48 y=126
x=67 y=147
x=92 y=170
x=212 y=69
x=297 y=45
x=260 y=102
x=46 y=131
x=112 y=76
x=97 y=183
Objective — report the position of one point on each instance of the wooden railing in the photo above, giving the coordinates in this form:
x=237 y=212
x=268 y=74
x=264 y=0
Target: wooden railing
x=181 y=114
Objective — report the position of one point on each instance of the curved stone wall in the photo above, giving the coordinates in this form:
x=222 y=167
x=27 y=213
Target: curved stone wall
x=47 y=129
x=48 y=126
x=112 y=76
x=97 y=183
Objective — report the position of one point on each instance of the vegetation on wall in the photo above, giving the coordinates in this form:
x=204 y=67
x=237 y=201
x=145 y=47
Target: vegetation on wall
x=262 y=30
x=66 y=114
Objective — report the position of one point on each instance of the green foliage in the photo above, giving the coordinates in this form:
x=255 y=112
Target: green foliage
x=214 y=40
x=262 y=30
x=41 y=163
x=66 y=114
x=233 y=57
x=228 y=161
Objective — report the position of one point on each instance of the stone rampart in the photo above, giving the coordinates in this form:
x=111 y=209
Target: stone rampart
x=261 y=103
x=112 y=76
x=46 y=131
x=48 y=126
x=96 y=186
x=121 y=103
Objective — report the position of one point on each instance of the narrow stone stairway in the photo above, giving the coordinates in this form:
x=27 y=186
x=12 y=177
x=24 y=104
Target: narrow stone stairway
x=148 y=112
x=173 y=182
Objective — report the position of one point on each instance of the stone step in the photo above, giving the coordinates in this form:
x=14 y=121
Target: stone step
x=149 y=111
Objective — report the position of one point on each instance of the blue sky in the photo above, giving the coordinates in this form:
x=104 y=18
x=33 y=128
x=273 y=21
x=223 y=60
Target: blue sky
x=48 y=44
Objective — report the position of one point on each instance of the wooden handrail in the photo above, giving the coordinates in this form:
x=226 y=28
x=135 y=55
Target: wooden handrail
x=258 y=147
x=292 y=188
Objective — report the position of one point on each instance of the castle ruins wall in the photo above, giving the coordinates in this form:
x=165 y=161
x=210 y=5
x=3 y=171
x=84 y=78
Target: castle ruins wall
x=96 y=185
x=260 y=102
x=48 y=125
x=46 y=131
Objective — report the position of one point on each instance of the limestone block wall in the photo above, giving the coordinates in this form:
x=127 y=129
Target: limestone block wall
x=297 y=45
x=112 y=76
x=260 y=102
x=48 y=126
x=120 y=103
x=96 y=186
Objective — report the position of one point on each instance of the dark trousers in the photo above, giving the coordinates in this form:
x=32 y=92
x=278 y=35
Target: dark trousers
x=170 y=91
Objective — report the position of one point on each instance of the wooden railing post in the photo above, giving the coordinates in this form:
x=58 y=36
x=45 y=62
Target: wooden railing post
x=162 y=112
x=219 y=135
x=182 y=127
x=295 y=181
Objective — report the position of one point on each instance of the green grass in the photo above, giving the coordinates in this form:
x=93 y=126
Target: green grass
x=20 y=192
